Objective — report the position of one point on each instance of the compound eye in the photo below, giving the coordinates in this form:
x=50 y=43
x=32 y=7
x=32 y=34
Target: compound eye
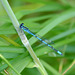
x=21 y=25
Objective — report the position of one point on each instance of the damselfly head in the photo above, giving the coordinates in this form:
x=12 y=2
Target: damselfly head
x=21 y=25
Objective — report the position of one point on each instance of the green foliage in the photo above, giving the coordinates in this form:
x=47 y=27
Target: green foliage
x=53 y=19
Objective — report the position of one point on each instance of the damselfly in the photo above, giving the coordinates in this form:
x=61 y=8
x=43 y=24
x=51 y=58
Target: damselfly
x=30 y=32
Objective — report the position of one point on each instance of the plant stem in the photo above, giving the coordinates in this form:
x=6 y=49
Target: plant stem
x=9 y=64
x=72 y=64
x=23 y=37
x=50 y=68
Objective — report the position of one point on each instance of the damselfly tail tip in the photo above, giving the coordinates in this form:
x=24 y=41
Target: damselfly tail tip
x=59 y=52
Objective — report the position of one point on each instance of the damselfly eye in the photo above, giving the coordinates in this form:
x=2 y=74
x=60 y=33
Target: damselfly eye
x=21 y=25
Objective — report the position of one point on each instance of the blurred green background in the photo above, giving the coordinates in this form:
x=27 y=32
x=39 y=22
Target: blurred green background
x=52 y=19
